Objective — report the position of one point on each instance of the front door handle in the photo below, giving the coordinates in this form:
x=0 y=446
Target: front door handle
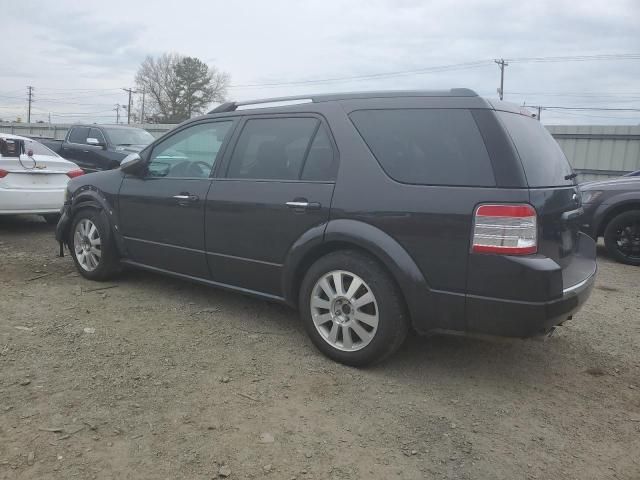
x=184 y=198
x=303 y=205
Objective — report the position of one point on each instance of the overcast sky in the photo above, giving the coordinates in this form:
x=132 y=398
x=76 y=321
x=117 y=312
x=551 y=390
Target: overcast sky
x=78 y=54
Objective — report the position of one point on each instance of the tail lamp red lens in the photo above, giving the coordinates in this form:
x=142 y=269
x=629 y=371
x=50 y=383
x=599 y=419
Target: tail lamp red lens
x=75 y=173
x=505 y=229
x=3 y=173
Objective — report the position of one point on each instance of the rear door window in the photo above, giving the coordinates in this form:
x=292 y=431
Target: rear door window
x=321 y=163
x=272 y=148
x=427 y=146
x=544 y=162
x=78 y=135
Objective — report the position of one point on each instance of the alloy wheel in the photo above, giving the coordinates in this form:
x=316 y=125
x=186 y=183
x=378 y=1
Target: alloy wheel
x=87 y=245
x=344 y=310
x=628 y=240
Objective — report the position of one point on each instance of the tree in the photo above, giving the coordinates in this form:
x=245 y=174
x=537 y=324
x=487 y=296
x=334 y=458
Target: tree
x=177 y=87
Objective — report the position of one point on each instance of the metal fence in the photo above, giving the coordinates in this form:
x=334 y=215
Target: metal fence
x=595 y=152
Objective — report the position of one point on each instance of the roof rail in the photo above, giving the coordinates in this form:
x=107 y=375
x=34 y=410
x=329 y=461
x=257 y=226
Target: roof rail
x=224 y=107
x=231 y=106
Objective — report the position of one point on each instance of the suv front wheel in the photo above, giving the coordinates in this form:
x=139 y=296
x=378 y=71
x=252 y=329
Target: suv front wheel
x=622 y=237
x=352 y=309
x=91 y=245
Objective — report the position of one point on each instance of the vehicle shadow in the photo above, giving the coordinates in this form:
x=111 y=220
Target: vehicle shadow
x=421 y=360
x=15 y=225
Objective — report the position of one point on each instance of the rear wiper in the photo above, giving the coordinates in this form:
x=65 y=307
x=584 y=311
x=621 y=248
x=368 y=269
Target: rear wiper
x=571 y=176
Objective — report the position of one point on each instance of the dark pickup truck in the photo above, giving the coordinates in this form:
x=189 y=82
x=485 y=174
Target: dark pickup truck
x=99 y=147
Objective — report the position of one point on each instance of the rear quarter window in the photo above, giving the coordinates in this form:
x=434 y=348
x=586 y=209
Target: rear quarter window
x=427 y=146
x=544 y=162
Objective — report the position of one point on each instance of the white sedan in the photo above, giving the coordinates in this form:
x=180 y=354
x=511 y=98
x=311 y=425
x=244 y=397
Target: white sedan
x=33 y=179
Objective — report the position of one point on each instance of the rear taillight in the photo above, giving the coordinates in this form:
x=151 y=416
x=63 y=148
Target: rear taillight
x=3 y=173
x=75 y=173
x=505 y=229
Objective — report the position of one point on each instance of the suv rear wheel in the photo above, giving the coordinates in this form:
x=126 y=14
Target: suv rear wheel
x=352 y=309
x=622 y=237
x=91 y=245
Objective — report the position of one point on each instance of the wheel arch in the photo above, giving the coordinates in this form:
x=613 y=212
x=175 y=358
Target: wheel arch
x=91 y=197
x=346 y=234
x=615 y=210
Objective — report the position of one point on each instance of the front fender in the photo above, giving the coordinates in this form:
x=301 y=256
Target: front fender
x=617 y=201
x=92 y=197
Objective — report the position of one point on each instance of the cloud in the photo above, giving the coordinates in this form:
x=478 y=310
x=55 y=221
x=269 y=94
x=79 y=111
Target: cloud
x=91 y=44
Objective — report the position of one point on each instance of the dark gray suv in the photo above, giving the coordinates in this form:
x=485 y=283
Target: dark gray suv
x=369 y=212
x=612 y=211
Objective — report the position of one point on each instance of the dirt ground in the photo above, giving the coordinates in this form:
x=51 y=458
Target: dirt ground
x=158 y=378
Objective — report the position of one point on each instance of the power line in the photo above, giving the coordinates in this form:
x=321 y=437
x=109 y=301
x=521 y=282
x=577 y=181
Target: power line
x=434 y=69
x=578 y=58
x=591 y=108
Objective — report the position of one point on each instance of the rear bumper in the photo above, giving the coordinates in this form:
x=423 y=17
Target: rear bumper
x=22 y=201
x=520 y=318
x=510 y=318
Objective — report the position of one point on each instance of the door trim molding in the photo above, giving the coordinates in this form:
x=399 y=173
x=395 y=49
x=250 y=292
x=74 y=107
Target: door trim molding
x=163 y=244
x=195 y=250
x=244 y=259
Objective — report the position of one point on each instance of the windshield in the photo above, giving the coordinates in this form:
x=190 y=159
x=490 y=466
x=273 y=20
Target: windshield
x=129 y=136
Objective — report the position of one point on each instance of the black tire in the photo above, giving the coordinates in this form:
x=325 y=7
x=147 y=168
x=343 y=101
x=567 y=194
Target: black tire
x=51 y=218
x=393 y=322
x=629 y=219
x=109 y=263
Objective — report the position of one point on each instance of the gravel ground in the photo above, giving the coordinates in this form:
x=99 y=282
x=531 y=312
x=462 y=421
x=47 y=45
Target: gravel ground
x=150 y=377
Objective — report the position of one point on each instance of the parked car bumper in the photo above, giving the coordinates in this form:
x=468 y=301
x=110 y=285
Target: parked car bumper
x=28 y=201
x=518 y=318
x=589 y=219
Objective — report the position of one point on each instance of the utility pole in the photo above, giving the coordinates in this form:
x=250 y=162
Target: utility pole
x=117 y=109
x=502 y=64
x=30 y=97
x=130 y=91
x=142 y=113
x=539 y=112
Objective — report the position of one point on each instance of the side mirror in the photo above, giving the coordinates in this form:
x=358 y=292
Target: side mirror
x=95 y=142
x=131 y=163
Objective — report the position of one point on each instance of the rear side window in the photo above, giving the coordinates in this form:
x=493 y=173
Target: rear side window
x=544 y=162
x=78 y=135
x=427 y=146
x=272 y=148
x=97 y=134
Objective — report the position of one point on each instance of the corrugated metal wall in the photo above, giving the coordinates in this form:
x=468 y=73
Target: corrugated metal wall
x=594 y=151
x=597 y=152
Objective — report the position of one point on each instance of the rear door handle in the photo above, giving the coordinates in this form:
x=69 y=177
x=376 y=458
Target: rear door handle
x=304 y=205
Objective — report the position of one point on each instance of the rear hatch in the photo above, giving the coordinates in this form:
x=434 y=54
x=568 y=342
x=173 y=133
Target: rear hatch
x=554 y=193
x=45 y=173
